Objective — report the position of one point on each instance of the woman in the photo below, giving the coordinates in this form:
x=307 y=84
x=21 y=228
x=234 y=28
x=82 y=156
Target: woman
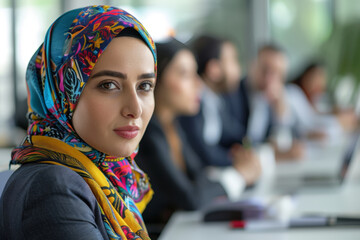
x=90 y=97
x=312 y=81
x=303 y=95
x=176 y=173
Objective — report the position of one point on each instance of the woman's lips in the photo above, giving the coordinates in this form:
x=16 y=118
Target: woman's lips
x=128 y=132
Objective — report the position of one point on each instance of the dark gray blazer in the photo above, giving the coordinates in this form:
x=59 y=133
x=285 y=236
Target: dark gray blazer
x=174 y=189
x=44 y=201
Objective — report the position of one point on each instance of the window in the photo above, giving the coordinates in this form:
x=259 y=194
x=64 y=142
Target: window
x=301 y=27
x=32 y=19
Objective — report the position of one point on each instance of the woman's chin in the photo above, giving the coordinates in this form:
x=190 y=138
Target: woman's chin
x=121 y=152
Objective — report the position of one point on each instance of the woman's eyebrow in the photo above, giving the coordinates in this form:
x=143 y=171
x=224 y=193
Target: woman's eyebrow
x=121 y=75
x=146 y=75
x=110 y=73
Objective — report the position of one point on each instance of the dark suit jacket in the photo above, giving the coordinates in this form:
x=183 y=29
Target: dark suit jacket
x=174 y=189
x=43 y=201
x=234 y=119
x=238 y=103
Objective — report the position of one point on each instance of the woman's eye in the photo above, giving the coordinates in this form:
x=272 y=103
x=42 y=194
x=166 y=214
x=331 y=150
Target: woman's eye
x=108 y=86
x=146 y=86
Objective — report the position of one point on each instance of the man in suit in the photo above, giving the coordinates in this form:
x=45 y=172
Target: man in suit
x=214 y=134
x=260 y=104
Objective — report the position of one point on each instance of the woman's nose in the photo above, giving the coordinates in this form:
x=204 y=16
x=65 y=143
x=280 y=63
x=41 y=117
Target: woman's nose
x=131 y=107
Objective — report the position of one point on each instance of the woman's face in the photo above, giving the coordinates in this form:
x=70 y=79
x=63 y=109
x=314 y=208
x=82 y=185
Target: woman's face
x=117 y=101
x=230 y=66
x=180 y=85
x=314 y=83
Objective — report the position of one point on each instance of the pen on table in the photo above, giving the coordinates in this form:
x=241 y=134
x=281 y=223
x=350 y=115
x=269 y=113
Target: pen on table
x=301 y=222
x=258 y=225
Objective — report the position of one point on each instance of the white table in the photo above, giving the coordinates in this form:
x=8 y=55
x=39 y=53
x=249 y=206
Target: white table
x=188 y=225
x=343 y=200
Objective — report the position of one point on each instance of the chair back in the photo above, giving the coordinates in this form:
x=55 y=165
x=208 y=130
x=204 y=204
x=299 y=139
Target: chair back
x=4 y=176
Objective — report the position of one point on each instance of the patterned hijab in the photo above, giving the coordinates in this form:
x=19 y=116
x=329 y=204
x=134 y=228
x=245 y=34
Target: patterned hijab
x=56 y=76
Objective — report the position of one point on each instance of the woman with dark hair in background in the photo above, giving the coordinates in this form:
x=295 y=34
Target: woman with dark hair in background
x=90 y=98
x=312 y=81
x=304 y=94
x=176 y=172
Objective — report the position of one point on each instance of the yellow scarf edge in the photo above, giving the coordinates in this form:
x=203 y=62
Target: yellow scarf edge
x=59 y=146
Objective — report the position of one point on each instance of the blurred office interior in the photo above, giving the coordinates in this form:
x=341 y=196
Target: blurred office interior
x=327 y=30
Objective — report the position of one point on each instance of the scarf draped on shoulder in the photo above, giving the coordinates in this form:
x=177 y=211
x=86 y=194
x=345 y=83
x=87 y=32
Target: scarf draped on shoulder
x=56 y=76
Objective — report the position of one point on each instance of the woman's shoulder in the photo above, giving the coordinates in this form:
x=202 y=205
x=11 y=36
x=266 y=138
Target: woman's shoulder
x=39 y=172
x=47 y=194
x=45 y=179
x=295 y=94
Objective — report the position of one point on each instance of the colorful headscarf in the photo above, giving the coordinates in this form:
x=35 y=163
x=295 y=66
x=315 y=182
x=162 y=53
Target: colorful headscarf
x=56 y=76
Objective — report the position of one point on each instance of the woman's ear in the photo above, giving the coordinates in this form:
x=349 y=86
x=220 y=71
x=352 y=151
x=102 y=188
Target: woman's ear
x=213 y=71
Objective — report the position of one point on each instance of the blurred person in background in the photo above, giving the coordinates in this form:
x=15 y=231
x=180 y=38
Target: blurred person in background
x=305 y=94
x=214 y=134
x=178 y=176
x=312 y=80
x=260 y=104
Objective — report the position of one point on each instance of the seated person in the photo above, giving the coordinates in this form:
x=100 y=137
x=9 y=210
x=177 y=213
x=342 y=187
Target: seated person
x=177 y=174
x=312 y=81
x=306 y=91
x=214 y=134
x=260 y=104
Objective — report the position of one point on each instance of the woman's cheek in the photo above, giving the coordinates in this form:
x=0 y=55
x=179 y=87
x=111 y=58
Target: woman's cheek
x=148 y=107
